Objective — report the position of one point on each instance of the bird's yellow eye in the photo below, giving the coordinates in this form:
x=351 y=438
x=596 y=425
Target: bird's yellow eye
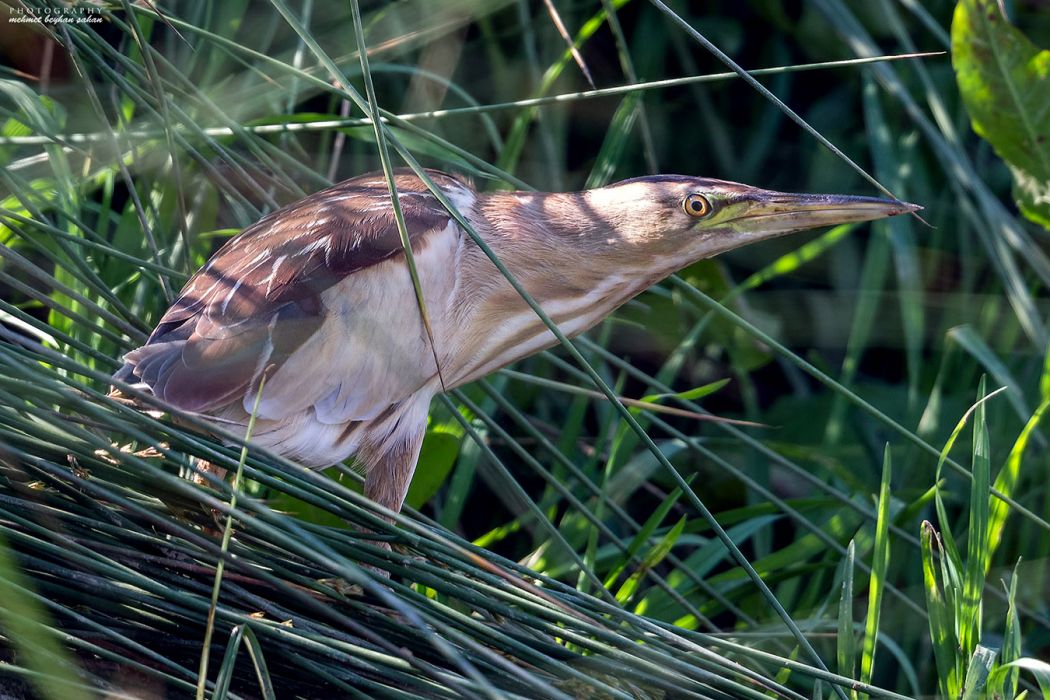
x=697 y=206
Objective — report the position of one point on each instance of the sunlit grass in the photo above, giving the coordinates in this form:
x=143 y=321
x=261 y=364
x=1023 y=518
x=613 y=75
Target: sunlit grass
x=566 y=544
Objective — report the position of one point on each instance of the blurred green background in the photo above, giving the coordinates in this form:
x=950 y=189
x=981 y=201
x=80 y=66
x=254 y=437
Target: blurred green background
x=133 y=146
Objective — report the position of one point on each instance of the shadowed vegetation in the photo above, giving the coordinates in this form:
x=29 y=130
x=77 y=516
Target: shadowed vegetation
x=886 y=533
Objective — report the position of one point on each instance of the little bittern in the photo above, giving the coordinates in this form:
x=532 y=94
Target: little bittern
x=319 y=296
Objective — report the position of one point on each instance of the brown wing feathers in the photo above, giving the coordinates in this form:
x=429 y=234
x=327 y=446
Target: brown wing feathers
x=259 y=297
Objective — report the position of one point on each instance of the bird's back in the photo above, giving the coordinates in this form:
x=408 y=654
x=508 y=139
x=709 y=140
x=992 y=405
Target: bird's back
x=310 y=295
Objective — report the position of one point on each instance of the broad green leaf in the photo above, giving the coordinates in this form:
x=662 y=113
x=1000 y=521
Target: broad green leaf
x=1039 y=670
x=25 y=621
x=977 y=673
x=13 y=127
x=436 y=457
x=1004 y=80
x=942 y=635
x=282 y=502
x=1005 y=684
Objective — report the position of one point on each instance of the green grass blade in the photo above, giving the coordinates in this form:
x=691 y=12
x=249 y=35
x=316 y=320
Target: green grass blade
x=824 y=378
x=243 y=634
x=977 y=552
x=1006 y=482
x=980 y=667
x=1005 y=684
x=846 y=646
x=25 y=624
x=1039 y=670
x=941 y=614
x=750 y=80
x=227 y=533
x=388 y=171
x=879 y=565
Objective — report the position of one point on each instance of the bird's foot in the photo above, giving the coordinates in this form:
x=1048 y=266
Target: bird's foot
x=343 y=587
x=203 y=468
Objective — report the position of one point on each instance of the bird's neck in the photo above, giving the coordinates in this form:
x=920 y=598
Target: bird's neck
x=563 y=245
x=577 y=268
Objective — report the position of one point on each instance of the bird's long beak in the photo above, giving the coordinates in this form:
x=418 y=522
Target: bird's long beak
x=770 y=213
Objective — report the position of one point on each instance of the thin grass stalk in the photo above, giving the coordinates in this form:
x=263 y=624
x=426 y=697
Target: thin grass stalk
x=762 y=90
x=388 y=172
x=227 y=532
x=168 y=123
x=880 y=560
x=590 y=516
x=472 y=110
x=738 y=434
x=615 y=508
x=851 y=396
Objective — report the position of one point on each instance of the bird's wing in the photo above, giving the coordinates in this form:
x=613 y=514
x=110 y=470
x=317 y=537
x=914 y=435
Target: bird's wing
x=261 y=299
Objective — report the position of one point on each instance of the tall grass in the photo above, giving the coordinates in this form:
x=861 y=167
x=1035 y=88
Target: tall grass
x=886 y=535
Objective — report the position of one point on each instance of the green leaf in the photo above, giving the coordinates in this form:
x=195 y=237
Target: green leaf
x=691 y=395
x=616 y=139
x=970 y=340
x=1006 y=481
x=942 y=633
x=953 y=559
x=13 y=127
x=436 y=457
x=644 y=534
x=282 y=502
x=243 y=633
x=515 y=144
x=1005 y=684
x=791 y=262
x=655 y=555
x=1040 y=670
x=415 y=144
x=1004 y=80
x=980 y=668
x=847 y=642
x=880 y=562
x=977 y=539
x=660 y=604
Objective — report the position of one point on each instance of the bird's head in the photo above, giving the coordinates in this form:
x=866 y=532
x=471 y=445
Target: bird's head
x=688 y=218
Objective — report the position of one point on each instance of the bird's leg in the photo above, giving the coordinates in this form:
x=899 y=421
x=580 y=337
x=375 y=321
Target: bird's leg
x=389 y=467
x=197 y=476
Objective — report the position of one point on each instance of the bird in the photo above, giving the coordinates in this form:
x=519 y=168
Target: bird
x=316 y=303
